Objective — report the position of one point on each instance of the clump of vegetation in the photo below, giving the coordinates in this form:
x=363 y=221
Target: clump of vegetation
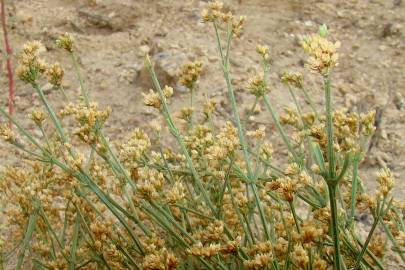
x=216 y=200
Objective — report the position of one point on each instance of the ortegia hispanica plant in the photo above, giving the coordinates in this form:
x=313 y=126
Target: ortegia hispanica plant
x=219 y=199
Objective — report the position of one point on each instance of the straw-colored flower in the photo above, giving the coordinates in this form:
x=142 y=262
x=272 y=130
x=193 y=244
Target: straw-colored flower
x=38 y=117
x=215 y=13
x=65 y=41
x=322 y=53
x=294 y=79
x=55 y=74
x=209 y=108
x=152 y=99
x=263 y=50
x=257 y=86
x=385 y=179
x=212 y=12
x=6 y=133
x=190 y=73
x=30 y=65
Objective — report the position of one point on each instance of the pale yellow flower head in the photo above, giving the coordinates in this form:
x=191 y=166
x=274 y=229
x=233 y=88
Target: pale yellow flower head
x=38 y=117
x=190 y=73
x=322 y=53
x=65 y=41
x=212 y=12
x=385 y=180
x=152 y=99
x=294 y=79
x=215 y=13
x=6 y=133
x=257 y=86
x=55 y=74
x=263 y=50
x=30 y=65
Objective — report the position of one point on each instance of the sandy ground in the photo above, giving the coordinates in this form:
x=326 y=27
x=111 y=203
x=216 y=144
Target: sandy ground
x=113 y=35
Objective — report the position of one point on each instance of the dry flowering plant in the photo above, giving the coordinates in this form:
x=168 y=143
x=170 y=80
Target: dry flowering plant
x=215 y=201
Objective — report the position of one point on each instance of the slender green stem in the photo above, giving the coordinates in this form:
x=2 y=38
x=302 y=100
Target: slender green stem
x=244 y=225
x=297 y=225
x=178 y=137
x=186 y=209
x=334 y=227
x=173 y=232
x=45 y=137
x=354 y=190
x=51 y=113
x=329 y=128
x=231 y=95
x=75 y=239
x=311 y=259
x=110 y=203
x=365 y=245
x=222 y=193
x=393 y=241
x=280 y=128
x=78 y=74
x=331 y=175
x=266 y=69
x=31 y=225
x=62 y=90
x=65 y=224
x=349 y=245
x=85 y=225
x=380 y=212
x=44 y=217
x=308 y=98
x=29 y=152
x=132 y=262
x=297 y=105
x=192 y=98
x=218 y=42
x=401 y=223
x=22 y=130
x=242 y=139
x=261 y=211
x=141 y=225
x=249 y=227
x=290 y=242
x=251 y=111
x=172 y=221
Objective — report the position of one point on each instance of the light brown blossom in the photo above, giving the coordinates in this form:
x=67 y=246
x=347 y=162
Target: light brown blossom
x=55 y=74
x=65 y=41
x=190 y=73
x=322 y=53
x=257 y=86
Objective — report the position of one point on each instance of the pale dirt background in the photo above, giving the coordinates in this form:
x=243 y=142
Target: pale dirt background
x=112 y=37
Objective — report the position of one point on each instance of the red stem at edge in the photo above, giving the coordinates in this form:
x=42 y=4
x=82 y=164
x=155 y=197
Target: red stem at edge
x=9 y=52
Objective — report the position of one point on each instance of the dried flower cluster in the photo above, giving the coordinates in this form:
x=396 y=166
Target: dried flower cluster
x=65 y=42
x=215 y=13
x=190 y=73
x=323 y=55
x=55 y=74
x=293 y=79
x=263 y=50
x=351 y=130
x=257 y=86
x=154 y=100
x=30 y=65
